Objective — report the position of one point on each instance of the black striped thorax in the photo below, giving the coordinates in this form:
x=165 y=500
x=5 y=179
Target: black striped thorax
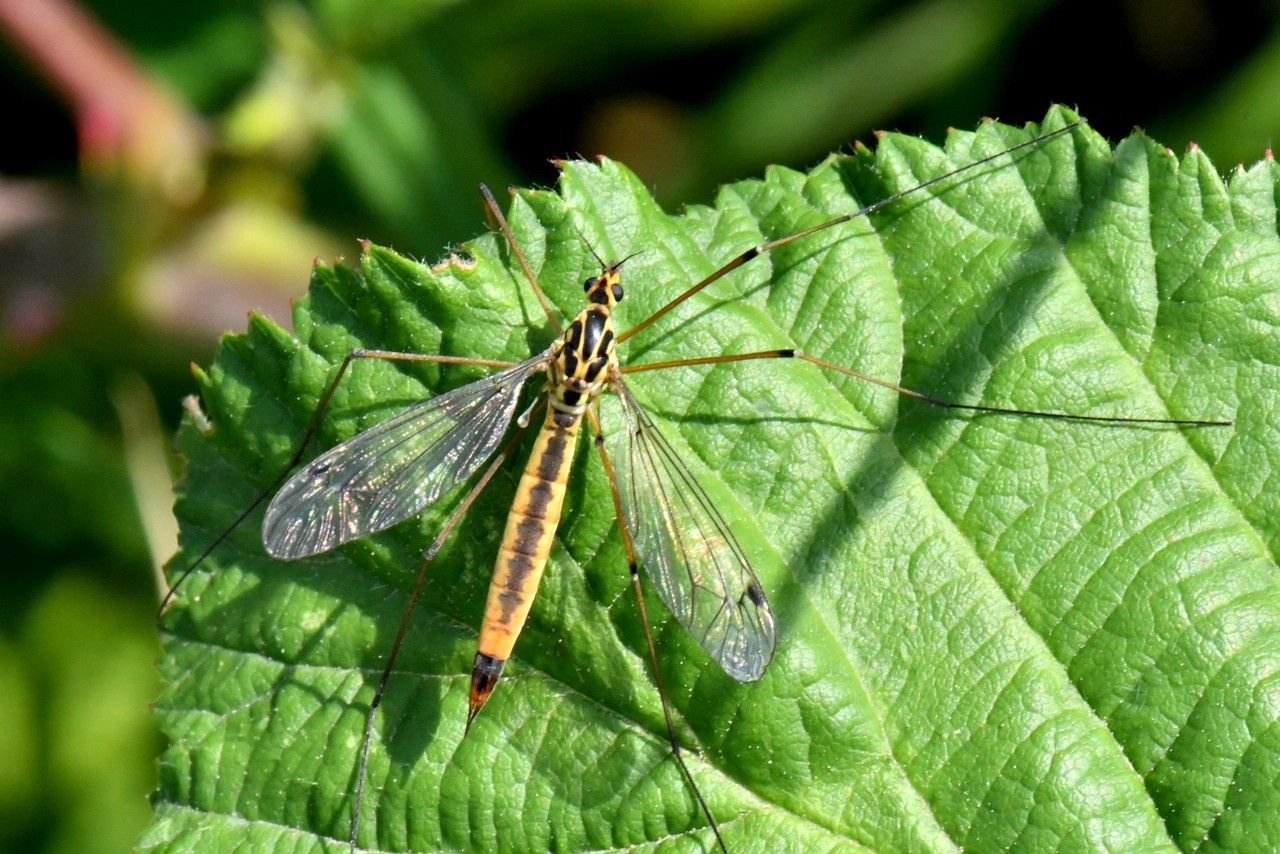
x=584 y=354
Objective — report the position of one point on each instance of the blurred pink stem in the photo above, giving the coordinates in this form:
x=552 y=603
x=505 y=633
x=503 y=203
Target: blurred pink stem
x=124 y=118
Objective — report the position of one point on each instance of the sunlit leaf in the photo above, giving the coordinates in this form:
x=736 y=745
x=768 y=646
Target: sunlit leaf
x=993 y=631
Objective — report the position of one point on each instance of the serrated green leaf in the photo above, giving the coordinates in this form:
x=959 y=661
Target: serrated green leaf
x=995 y=632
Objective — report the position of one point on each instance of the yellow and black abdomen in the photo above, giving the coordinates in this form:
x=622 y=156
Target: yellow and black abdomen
x=577 y=374
x=531 y=527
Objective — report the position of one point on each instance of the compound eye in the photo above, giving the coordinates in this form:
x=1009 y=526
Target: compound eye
x=617 y=293
x=590 y=283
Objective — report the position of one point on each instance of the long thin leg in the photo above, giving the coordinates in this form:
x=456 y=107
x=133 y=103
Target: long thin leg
x=496 y=213
x=308 y=435
x=427 y=558
x=634 y=568
x=788 y=353
x=871 y=208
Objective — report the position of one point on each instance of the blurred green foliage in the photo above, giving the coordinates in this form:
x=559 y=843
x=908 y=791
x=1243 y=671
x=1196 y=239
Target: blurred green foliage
x=339 y=119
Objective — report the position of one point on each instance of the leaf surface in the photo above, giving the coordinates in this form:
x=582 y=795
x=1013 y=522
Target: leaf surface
x=993 y=631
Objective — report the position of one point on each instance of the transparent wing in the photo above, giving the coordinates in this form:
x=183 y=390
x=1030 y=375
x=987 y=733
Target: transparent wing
x=394 y=469
x=685 y=544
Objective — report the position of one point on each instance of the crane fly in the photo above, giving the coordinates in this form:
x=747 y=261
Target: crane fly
x=668 y=523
